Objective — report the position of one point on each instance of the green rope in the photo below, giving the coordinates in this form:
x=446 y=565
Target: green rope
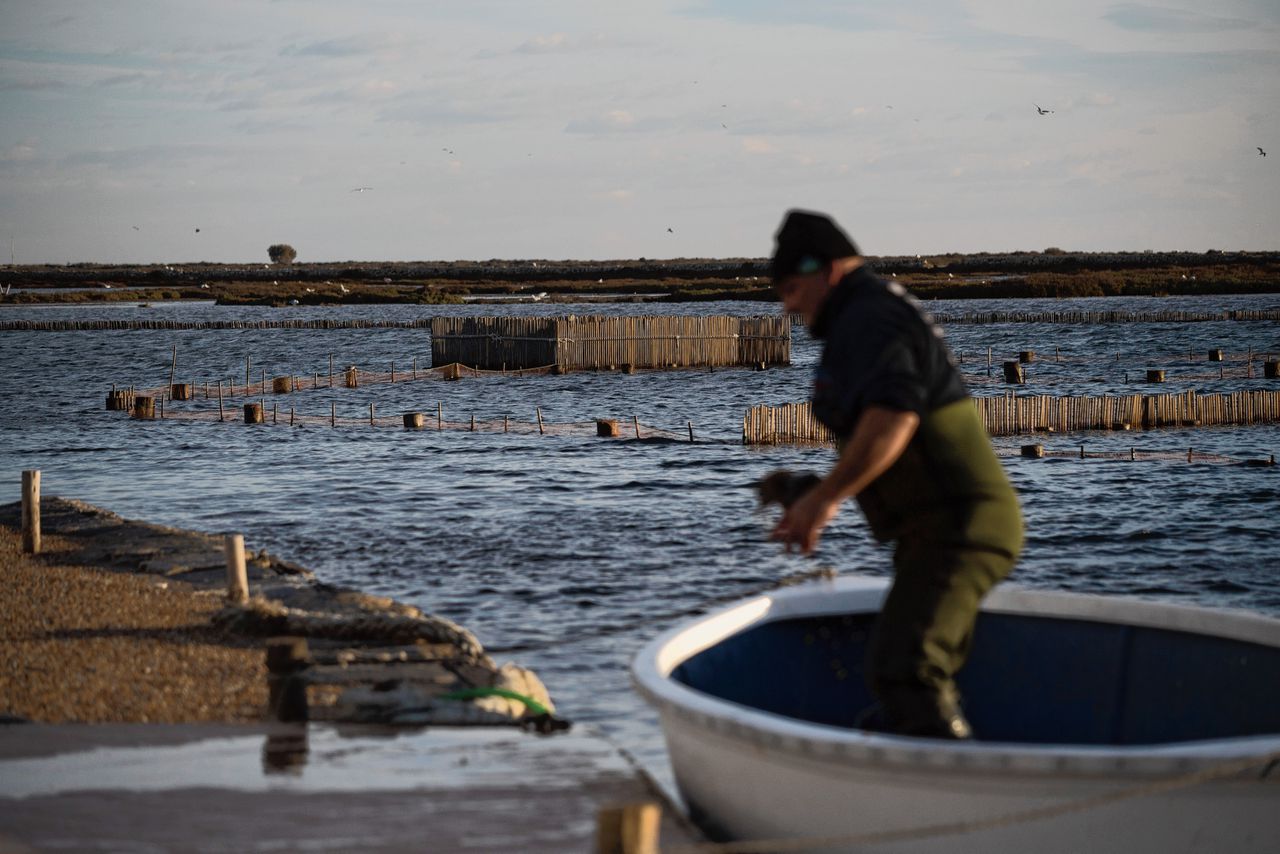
x=532 y=705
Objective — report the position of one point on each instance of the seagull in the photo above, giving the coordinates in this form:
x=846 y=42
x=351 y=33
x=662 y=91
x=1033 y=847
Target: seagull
x=135 y=228
x=448 y=151
x=197 y=231
x=1261 y=152
x=360 y=189
x=1042 y=111
x=343 y=288
x=669 y=231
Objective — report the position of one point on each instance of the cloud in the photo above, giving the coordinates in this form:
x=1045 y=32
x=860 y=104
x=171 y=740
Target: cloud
x=1160 y=19
x=369 y=44
x=615 y=121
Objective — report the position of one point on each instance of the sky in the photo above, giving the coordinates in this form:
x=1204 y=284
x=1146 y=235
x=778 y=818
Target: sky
x=177 y=131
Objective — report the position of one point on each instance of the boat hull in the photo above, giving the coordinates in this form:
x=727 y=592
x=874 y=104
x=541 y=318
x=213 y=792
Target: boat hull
x=751 y=775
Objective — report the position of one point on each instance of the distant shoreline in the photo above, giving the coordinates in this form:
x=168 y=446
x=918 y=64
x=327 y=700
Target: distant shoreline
x=978 y=276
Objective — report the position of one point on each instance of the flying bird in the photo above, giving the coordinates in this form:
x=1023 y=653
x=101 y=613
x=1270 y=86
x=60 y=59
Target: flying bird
x=360 y=189
x=197 y=231
x=135 y=228
x=1042 y=111
x=669 y=231
x=1261 y=152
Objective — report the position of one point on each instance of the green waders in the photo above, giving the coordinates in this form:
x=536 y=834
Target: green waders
x=958 y=529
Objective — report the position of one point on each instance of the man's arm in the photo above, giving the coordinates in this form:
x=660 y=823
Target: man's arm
x=878 y=439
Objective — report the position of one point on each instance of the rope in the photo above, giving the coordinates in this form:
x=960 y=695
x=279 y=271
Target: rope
x=955 y=828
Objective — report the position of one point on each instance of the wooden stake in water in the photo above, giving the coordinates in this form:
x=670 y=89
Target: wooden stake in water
x=248 y=363
x=333 y=414
x=439 y=415
x=237 y=578
x=221 y=417
x=635 y=422
x=538 y=410
x=330 y=370
x=690 y=431
x=31 y=511
x=371 y=415
x=173 y=367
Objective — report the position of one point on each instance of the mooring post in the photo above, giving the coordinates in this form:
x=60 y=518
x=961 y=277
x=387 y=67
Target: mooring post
x=628 y=829
x=31 y=511
x=237 y=578
x=287 y=660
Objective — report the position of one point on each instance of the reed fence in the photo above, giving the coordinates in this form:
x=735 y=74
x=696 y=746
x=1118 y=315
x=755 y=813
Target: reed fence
x=91 y=325
x=1082 y=317
x=1011 y=414
x=607 y=343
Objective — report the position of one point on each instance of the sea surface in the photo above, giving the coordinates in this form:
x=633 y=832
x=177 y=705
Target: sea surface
x=564 y=552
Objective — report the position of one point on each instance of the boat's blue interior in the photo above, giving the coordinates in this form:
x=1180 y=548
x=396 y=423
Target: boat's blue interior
x=1028 y=679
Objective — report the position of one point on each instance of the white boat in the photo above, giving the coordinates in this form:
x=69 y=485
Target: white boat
x=1104 y=724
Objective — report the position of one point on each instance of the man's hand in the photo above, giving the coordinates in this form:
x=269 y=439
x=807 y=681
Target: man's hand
x=802 y=523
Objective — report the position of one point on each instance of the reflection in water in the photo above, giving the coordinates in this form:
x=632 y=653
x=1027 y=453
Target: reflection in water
x=285 y=753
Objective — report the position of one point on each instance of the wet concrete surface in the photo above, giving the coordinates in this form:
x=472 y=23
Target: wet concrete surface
x=294 y=787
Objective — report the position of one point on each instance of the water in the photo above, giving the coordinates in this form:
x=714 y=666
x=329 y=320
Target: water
x=565 y=553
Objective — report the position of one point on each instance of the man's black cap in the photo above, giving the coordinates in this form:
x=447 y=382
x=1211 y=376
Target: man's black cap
x=807 y=234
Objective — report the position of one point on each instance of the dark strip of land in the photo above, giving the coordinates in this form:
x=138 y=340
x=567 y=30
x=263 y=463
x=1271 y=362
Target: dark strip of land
x=1052 y=273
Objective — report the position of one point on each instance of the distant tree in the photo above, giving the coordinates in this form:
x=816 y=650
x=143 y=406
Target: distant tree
x=281 y=253
x=1054 y=250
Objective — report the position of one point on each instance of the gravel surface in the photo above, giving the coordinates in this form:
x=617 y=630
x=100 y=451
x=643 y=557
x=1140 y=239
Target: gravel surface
x=89 y=645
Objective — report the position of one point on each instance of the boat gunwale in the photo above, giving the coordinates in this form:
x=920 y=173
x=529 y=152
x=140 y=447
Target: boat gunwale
x=653 y=664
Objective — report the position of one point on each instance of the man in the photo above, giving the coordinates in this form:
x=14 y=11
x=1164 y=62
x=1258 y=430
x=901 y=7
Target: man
x=915 y=454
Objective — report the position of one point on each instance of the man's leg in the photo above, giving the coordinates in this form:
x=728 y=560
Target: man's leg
x=924 y=634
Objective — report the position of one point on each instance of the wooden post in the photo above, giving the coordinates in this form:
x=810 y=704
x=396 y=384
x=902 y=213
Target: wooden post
x=414 y=420
x=1271 y=369
x=628 y=829
x=333 y=414
x=1155 y=376
x=330 y=370
x=1013 y=373
x=1215 y=355
x=1026 y=356
x=262 y=389
x=221 y=417
x=606 y=427
x=439 y=415
x=988 y=361
x=371 y=424
x=393 y=373
x=274 y=413
x=31 y=511
x=237 y=578
x=248 y=365
x=1036 y=451
x=690 y=431
x=160 y=404
x=287 y=660
x=352 y=377
x=290 y=416
x=635 y=422
x=144 y=407
x=473 y=422
x=415 y=367
x=282 y=385
x=504 y=423
x=180 y=391
x=538 y=410
x=253 y=413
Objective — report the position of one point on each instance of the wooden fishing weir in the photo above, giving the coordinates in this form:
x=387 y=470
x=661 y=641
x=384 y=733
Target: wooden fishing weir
x=597 y=342
x=1012 y=414
x=1077 y=317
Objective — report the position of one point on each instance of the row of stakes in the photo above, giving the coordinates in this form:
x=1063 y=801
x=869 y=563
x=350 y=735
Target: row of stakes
x=144 y=407
x=1015 y=374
